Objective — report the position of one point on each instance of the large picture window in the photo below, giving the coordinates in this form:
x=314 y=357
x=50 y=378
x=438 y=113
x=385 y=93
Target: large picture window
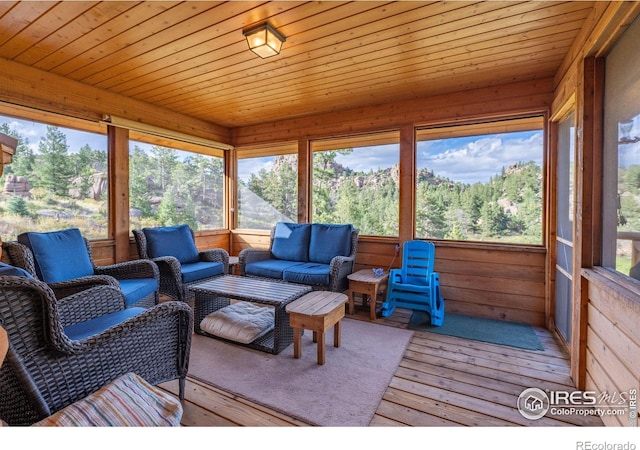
x=355 y=180
x=58 y=178
x=621 y=199
x=481 y=182
x=267 y=186
x=171 y=183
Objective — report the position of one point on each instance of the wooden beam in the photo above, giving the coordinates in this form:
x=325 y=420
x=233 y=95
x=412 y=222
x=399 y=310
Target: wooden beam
x=34 y=88
x=503 y=101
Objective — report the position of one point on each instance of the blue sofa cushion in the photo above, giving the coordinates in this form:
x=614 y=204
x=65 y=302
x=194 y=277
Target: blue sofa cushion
x=91 y=327
x=291 y=241
x=135 y=289
x=7 y=270
x=199 y=270
x=269 y=268
x=172 y=241
x=308 y=273
x=59 y=255
x=329 y=241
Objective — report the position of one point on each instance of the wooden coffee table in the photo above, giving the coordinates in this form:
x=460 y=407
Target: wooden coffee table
x=366 y=283
x=213 y=294
x=317 y=311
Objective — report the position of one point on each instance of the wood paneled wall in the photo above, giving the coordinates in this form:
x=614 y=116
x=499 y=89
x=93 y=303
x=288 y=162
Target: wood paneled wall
x=605 y=347
x=613 y=342
x=499 y=282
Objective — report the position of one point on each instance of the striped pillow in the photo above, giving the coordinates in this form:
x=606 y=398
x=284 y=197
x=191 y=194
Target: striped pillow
x=128 y=401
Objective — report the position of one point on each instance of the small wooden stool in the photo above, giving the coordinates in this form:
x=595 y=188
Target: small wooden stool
x=316 y=311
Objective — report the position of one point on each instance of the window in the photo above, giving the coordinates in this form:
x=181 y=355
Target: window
x=355 y=180
x=172 y=183
x=481 y=182
x=57 y=179
x=267 y=186
x=621 y=199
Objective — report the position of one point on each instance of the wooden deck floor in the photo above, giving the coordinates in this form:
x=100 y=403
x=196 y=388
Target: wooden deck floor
x=441 y=381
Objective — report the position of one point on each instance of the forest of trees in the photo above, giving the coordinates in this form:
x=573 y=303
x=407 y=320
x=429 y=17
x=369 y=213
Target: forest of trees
x=69 y=187
x=508 y=208
x=167 y=187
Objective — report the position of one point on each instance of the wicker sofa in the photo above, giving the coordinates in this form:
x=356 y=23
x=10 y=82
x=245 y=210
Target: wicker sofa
x=315 y=254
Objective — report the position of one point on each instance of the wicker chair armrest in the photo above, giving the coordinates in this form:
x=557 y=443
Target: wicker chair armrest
x=20 y=256
x=63 y=289
x=89 y=304
x=216 y=255
x=339 y=268
x=168 y=265
x=162 y=319
x=139 y=268
x=249 y=255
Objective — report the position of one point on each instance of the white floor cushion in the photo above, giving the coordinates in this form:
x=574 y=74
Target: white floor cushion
x=242 y=322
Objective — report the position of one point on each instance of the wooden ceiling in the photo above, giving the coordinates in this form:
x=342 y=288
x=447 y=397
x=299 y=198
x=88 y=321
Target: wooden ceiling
x=191 y=56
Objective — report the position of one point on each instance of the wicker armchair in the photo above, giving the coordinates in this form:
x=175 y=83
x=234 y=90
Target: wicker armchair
x=138 y=280
x=180 y=263
x=63 y=350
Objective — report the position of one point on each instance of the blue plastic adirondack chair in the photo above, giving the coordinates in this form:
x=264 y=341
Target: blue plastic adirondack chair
x=416 y=286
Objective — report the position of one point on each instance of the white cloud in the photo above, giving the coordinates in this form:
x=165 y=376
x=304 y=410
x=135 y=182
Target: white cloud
x=476 y=160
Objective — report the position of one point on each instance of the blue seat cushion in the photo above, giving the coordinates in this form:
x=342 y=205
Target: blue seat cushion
x=329 y=241
x=269 y=268
x=308 y=273
x=199 y=270
x=6 y=269
x=92 y=327
x=136 y=289
x=59 y=255
x=291 y=241
x=174 y=241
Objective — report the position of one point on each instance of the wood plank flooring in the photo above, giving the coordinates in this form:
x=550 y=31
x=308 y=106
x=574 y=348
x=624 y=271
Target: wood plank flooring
x=441 y=381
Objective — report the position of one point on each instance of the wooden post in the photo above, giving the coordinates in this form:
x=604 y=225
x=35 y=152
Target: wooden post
x=119 y=191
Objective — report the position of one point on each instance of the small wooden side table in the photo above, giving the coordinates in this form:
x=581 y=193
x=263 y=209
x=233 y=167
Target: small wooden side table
x=316 y=311
x=233 y=263
x=366 y=283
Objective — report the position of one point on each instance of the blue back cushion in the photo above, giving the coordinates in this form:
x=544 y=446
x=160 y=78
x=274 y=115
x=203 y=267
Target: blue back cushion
x=6 y=269
x=291 y=241
x=328 y=241
x=172 y=241
x=59 y=255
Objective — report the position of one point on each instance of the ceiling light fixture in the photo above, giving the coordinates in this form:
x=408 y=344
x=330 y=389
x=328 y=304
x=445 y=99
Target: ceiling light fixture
x=264 y=40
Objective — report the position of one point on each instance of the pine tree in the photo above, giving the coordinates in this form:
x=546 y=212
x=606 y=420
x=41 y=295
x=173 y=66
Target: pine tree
x=54 y=170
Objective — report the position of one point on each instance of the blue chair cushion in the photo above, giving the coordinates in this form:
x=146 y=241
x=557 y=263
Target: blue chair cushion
x=269 y=268
x=329 y=241
x=200 y=270
x=92 y=327
x=291 y=241
x=136 y=289
x=308 y=273
x=6 y=269
x=172 y=241
x=59 y=255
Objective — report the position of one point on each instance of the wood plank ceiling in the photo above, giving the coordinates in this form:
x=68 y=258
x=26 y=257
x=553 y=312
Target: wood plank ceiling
x=191 y=56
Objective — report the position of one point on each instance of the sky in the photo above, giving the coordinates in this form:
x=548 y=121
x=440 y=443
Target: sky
x=467 y=160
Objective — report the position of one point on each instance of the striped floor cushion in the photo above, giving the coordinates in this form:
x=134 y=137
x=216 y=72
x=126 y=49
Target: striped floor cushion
x=128 y=401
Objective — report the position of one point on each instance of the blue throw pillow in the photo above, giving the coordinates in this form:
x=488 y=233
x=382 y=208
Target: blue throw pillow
x=6 y=269
x=172 y=241
x=291 y=241
x=59 y=255
x=329 y=241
